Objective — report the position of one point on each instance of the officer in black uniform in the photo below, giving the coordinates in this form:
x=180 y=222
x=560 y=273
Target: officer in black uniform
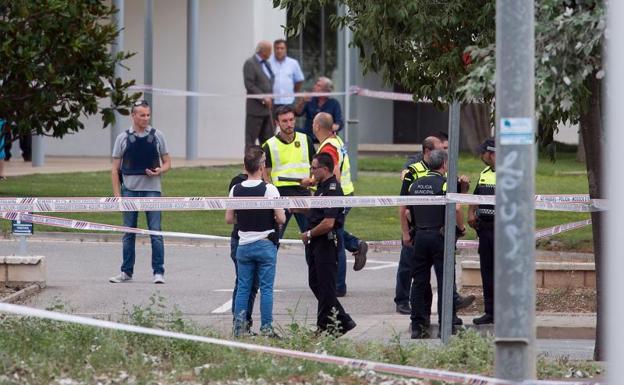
x=481 y=218
x=429 y=243
x=322 y=250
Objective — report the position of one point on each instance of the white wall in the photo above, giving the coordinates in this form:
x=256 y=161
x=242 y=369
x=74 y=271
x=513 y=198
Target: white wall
x=229 y=31
x=375 y=115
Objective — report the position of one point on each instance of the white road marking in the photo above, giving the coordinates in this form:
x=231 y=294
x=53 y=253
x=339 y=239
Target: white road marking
x=223 y=308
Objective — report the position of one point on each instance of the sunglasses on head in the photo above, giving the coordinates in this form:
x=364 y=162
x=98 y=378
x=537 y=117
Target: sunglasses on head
x=141 y=103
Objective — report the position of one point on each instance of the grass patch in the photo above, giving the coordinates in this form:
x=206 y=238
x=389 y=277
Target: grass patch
x=371 y=224
x=38 y=351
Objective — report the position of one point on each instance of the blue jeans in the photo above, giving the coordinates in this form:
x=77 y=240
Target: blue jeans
x=153 y=223
x=349 y=242
x=255 y=258
x=302 y=222
x=254 y=286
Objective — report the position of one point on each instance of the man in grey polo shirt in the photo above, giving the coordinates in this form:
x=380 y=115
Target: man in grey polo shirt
x=140 y=157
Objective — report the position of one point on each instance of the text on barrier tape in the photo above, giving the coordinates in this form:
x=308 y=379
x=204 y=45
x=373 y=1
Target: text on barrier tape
x=402 y=370
x=107 y=204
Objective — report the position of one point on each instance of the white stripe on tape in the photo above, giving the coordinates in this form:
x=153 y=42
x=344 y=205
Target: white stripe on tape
x=103 y=204
x=408 y=371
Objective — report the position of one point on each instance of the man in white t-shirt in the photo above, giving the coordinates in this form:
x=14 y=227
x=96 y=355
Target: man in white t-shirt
x=257 y=247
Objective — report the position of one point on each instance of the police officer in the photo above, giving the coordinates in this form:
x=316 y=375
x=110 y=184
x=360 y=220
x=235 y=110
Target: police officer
x=321 y=243
x=334 y=146
x=481 y=218
x=288 y=157
x=429 y=243
x=411 y=173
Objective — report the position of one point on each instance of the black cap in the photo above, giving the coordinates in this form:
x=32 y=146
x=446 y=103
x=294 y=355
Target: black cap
x=487 y=145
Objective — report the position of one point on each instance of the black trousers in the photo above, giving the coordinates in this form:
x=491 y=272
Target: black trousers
x=404 y=278
x=258 y=127
x=428 y=251
x=322 y=259
x=486 y=262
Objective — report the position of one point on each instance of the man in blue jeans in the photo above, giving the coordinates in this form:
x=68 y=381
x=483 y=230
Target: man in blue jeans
x=257 y=247
x=140 y=157
x=234 y=238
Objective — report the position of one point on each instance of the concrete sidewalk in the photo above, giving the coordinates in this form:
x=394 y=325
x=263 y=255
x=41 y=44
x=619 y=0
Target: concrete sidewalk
x=64 y=164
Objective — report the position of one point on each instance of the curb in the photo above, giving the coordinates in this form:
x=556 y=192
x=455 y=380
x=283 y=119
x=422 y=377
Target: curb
x=23 y=293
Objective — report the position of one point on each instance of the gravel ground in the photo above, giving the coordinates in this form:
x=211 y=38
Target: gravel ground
x=557 y=300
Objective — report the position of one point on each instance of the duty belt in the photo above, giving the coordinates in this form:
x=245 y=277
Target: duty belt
x=485 y=212
x=429 y=228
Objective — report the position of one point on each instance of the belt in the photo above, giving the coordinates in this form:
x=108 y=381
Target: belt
x=429 y=228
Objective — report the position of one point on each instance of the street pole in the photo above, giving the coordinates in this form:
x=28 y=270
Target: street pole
x=614 y=264
x=192 y=79
x=446 y=327
x=351 y=68
x=514 y=267
x=38 y=150
x=148 y=48
x=118 y=21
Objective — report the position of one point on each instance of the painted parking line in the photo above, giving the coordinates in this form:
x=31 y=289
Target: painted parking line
x=226 y=307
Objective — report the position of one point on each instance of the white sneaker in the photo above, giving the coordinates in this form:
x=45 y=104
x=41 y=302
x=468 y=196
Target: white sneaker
x=158 y=278
x=123 y=277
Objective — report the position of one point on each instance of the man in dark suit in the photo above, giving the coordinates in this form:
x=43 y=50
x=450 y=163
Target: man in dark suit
x=258 y=76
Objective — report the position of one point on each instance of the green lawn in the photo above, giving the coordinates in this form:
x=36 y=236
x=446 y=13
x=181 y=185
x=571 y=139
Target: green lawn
x=367 y=223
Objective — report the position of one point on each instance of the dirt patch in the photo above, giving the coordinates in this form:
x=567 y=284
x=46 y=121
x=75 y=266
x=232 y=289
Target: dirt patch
x=6 y=291
x=557 y=300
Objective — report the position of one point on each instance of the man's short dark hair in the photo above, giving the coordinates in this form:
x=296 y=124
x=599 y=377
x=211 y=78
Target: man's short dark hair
x=253 y=159
x=325 y=160
x=282 y=110
x=280 y=41
x=443 y=136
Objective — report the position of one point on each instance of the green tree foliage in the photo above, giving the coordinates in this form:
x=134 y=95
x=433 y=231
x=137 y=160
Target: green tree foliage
x=55 y=65
x=444 y=50
x=568 y=54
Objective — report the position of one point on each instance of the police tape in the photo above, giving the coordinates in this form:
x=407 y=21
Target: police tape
x=566 y=202
x=92 y=226
x=353 y=90
x=108 y=204
x=357 y=364
x=177 y=92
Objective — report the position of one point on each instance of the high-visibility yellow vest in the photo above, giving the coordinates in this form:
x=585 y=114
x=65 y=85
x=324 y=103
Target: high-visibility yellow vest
x=486 y=186
x=418 y=169
x=343 y=160
x=290 y=160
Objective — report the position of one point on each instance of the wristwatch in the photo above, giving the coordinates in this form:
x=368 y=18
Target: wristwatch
x=309 y=235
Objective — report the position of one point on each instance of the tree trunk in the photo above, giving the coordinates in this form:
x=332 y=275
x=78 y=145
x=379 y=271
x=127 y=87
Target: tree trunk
x=580 y=151
x=475 y=125
x=592 y=132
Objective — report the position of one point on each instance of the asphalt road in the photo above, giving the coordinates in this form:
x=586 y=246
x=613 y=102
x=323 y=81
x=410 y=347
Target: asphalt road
x=199 y=281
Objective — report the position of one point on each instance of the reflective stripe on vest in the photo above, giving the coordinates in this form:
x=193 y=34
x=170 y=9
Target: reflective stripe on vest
x=418 y=169
x=343 y=159
x=289 y=160
x=487 y=179
x=486 y=186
